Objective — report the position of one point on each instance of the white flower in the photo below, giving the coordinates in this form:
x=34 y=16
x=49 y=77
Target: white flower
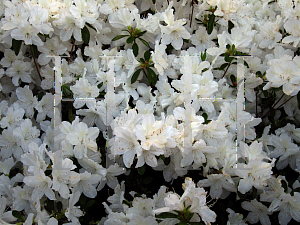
x=26 y=134
x=202 y=40
x=292 y=26
x=10 y=145
x=86 y=184
x=234 y=218
x=217 y=183
x=45 y=107
x=255 y=173
x=73 y=212
x=84 y=92
x=121 y=19
x=258 y=212
x=6 y=165
x=26 y=100
x=19 y=70
x=174 y=32
x=41 y=183
x=27 y=33
x=13 y=116
x=158 y=57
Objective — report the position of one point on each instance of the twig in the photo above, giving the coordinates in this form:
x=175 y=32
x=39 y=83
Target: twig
x=36 y=66
x=71 y=51
x=192 y=15
x=168 y=2
x=226 y=70
x=256 y=102
x=273 y=106
x=278 y=106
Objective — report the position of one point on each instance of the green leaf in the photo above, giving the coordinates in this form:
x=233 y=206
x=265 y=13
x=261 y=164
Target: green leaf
x=186 y=40
x=182 y=223
x=85 y=34
x=166 y=215
x=90 y=26
x=152 y=77
x=141 y=33
x=142 y=60
x=89 y=203
x=211 y=23
x=135 y=75
x=144 y=42
x=228 y=58
x=298 y=99
x=40 y=96
x=18 y=215
x=35 y=51
x=141 y=170
x=59 y=206
x=203 y=56
x=16 y=44
x=82 y=200
x=119 y=37
x=233 y=79
x=147 y=55
x=126 y=31
x=130 y=40
x=284 y=185
x=230 y=26
x=135 y=49
x=100 y=85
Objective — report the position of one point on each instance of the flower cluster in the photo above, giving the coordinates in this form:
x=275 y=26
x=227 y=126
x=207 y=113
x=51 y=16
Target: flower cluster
x=137 y=95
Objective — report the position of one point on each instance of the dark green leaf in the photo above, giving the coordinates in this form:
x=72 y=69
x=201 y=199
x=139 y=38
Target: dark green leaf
x=298 y=99
x=142 y=60
x=152 y=77
x=59 y=206
x=34 y=51
x=141 y=170
x=89 y=203
x=284 y=185
x=233 y=79
x=130 y=40
x=169 y=48
x=198 y=20
x=85 y=34
x=203 y=56
x=166 y=215
x=119 y=37
x=144 y=42
x=228 y=58
x=135 y=76
x=100 y=85
x=186 y=40
x=211 y=23
x=90 y=26
x=18 y=215
x=82 y=200
x=135 y=49
x=230 y=26
x=126 y=31
x=16 y=44
x=141 y=33
x=40 y=96
x=182 y=223
x=147 y=55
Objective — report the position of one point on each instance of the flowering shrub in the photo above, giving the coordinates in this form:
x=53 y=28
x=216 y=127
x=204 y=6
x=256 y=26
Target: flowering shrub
x=149 y=125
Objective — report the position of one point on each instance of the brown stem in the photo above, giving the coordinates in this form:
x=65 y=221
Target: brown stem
x=36 y=66
x=278 y=106
x=168 y=2
x=273 y=106
x=71 y=51
x=192 y=16
x=226 y=70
